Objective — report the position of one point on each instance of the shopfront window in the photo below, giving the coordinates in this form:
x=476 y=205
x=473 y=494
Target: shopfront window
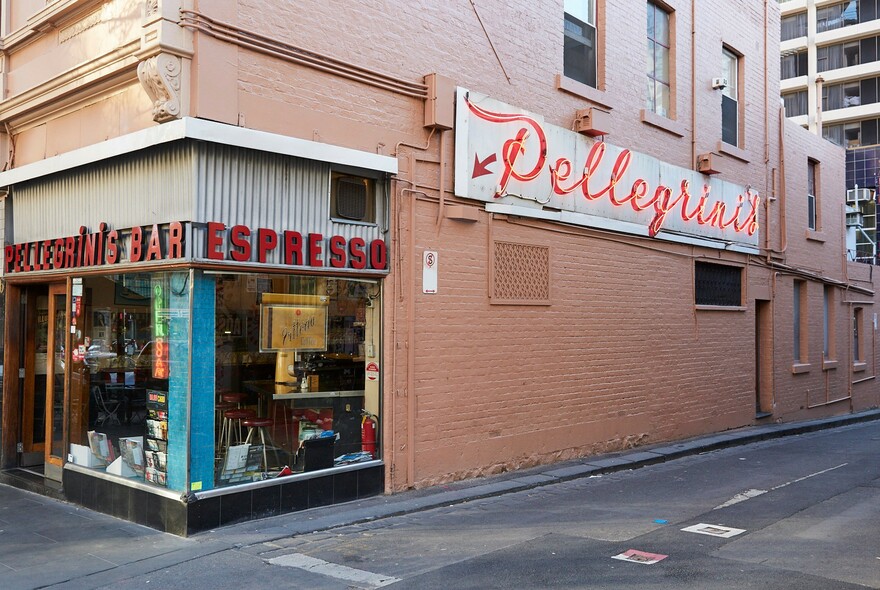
x=129 y=372
x=275 y=375
x=296 y=374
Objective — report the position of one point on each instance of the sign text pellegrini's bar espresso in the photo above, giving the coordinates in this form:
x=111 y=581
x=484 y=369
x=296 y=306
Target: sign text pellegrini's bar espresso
x=158 y=242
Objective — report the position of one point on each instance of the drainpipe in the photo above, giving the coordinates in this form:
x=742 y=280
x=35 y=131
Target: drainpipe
x=693 y=84
x=819 y=81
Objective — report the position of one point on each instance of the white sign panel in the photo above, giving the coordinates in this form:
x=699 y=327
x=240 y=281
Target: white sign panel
x=429 y=272
x=508 y=156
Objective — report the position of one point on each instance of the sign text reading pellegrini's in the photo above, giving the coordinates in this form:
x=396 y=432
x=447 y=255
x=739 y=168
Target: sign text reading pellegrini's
x=507 y=155
x=96 y=249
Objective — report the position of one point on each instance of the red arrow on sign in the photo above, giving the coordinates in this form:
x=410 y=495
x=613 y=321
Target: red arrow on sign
x=481 y=166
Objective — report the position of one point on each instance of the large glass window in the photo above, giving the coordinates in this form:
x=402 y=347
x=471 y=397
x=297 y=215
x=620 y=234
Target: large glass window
x=837 y=16
x=129 y=373
x=301 y=352
x=659 y=88
x=840 y=55
x=275 y=375
x=580 y=52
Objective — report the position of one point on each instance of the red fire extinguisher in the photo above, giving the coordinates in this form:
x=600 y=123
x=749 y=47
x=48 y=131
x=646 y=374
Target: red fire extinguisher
x=369 y=425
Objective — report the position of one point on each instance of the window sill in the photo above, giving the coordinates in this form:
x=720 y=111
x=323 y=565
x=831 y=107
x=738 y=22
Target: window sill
x=578 y=89
x=663 y=123
x=829 y=365
x=859 y=367
x=733 y=151
x=815 y=236
x=721 y=307
x=800 y=368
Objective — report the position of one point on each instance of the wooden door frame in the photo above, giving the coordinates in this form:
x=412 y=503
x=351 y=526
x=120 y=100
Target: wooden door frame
x=55 y=289
x=12 y=409
x=13 y=380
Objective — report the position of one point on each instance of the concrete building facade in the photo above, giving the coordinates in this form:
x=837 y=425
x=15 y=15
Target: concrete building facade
x=489 y=234
x=829 y=73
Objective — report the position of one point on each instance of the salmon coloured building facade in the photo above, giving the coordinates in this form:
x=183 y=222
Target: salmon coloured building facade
x=262 y=257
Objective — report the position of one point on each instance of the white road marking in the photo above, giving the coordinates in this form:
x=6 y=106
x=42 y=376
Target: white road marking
x=341 y=572
x=809 y=476
x=753 y=493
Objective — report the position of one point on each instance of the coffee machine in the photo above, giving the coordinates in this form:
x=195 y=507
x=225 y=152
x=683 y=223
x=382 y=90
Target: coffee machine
x=285 y=368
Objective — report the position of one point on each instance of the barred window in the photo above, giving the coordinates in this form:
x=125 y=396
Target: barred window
x=717 y=284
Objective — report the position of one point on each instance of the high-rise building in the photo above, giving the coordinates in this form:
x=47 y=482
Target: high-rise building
x=830 y=84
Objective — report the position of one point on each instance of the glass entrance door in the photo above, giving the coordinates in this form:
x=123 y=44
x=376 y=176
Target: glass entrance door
x=42 y=389
x=55 y=363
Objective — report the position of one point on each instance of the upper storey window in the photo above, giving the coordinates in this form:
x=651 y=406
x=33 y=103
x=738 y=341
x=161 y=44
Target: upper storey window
x=659 y=88
x=844 y=55
x=579 y=57
x=839 y=15
x=730 y=64
x=793 y=65
x=794 y=26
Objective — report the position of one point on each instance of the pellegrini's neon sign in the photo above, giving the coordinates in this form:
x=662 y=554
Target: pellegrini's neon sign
x=534 y=164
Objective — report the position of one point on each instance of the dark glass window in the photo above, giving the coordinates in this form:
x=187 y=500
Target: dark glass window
x=795 y=64
x=869 y=132
x=579 y=56
x=717 y=284
x=868 y=50
x=795 y=103
x=730 y=98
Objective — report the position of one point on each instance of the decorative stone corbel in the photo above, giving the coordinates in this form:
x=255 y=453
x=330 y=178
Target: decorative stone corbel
x=160 y=77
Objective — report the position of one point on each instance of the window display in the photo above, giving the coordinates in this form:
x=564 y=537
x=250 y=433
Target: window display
x=287 y=363
x=291 y=371
x=121 y=372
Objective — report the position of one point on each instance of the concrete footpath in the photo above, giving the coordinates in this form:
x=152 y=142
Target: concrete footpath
x=46 y=542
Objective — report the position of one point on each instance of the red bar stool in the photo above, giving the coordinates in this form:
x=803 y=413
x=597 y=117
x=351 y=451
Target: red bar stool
x=241 y=400
x=261 y=425
x=219 y=426
x=232 y=421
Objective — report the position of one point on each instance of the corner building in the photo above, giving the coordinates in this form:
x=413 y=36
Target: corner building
x=261 y=257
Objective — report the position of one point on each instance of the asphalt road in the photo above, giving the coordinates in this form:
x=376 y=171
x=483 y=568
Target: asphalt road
x=808 y=507
x=799 y=512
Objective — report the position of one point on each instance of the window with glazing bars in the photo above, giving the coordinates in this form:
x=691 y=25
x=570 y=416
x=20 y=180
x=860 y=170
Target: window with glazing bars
x=579 y=55
x=812 y=215
x=659 y=88
x=730 y=98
